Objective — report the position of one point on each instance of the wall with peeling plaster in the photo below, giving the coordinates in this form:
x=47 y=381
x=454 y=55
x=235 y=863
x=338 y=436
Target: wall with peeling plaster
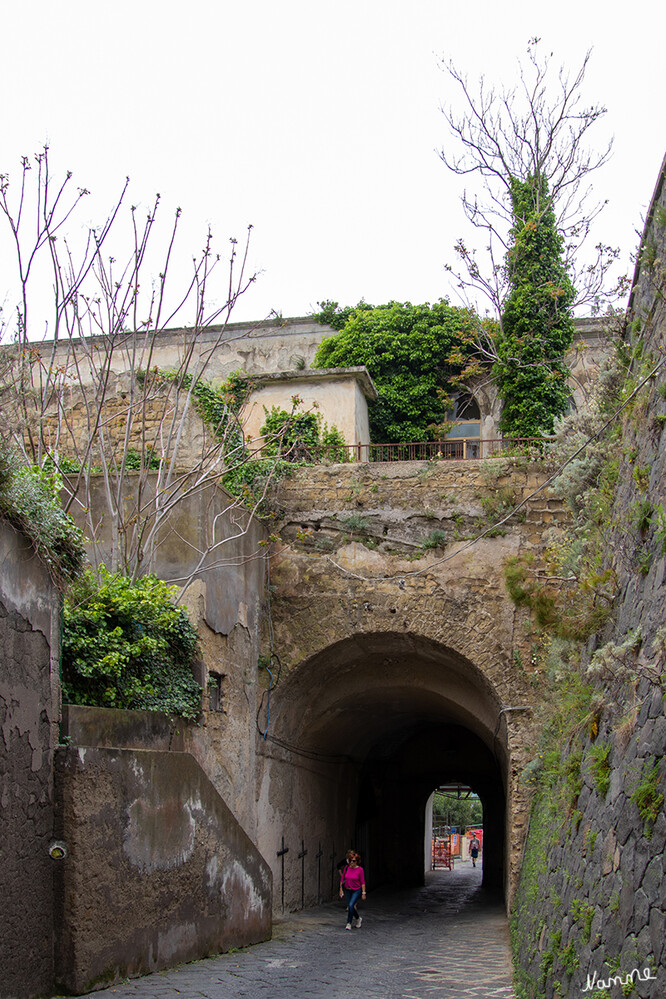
x=29 y=705
x=156 y=859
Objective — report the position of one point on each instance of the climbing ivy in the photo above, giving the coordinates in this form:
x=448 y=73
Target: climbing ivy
x=302 y=436
x=216 y=405
x=537 y=326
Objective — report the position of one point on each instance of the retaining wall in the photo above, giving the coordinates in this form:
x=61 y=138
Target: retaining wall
x=159 y=871
x=590 y=906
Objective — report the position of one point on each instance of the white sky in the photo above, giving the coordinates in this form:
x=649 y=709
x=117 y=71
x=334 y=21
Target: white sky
x=316 y=122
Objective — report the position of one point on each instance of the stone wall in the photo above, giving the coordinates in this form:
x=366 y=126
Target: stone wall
x=29 y=715
x=263 y=348
x=156 y=859
x=591 y=898
x=392 y=629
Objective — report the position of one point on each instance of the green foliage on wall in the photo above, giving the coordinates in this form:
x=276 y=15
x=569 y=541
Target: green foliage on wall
x=29 y=499
x=600 y=767
x=126 y=645
x=217 y=405
x=408 y=351
x=254 y=480
x=646 y=795
x=537 y=325
x=299 y=436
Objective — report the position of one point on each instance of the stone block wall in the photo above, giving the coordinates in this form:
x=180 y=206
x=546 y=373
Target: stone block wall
x=29 y=706
x=591 y=901
x=395 y=507
x=380 y=579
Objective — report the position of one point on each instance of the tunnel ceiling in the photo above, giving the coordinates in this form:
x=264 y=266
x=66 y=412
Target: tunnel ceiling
x=364 y=696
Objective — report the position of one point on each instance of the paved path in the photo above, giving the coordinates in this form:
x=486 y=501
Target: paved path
x=448 y=940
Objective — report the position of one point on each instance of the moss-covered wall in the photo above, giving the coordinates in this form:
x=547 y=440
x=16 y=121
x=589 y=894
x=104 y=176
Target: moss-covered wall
x=589 y=910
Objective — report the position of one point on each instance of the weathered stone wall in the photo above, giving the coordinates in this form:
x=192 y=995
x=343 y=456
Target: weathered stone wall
x=592 y=896
x=261 y=348
x=159 y=872
x=385 y=616
x=29 y=714
x=150 y=420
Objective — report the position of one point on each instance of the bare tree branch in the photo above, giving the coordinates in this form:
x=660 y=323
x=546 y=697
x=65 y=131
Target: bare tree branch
x=129 y=446
x=536 y=129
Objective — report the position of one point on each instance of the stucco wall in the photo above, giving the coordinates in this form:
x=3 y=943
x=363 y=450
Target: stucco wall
x=339 y=395
x=29 y=704
x=159 y=872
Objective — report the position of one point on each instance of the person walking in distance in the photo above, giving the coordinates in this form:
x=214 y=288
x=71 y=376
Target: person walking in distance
x=474 y=850
x=352 y=887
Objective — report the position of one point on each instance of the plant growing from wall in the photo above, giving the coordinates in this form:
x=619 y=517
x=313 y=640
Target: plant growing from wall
x=409 y=352
x=126 y=645
x=646 y=795
x=30 y=500
x=436 y=539
x=600 y=766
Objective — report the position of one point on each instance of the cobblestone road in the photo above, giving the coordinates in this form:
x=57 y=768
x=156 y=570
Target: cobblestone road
x=448 y=940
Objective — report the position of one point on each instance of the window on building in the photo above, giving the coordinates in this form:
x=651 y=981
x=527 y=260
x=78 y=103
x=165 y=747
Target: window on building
x=465 y=416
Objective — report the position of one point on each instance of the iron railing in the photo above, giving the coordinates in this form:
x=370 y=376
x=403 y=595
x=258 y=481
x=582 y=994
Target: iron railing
x=455 y=449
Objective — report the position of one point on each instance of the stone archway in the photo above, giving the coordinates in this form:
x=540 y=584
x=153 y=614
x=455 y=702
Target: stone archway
x=360 y=733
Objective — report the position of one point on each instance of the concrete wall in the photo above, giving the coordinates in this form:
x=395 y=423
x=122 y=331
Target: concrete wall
x=159 y=871
x=224 y=600
x=29 y=714
x=340 y=395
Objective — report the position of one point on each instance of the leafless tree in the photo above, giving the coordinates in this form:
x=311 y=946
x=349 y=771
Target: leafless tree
x=81 y=391
x=538 y=130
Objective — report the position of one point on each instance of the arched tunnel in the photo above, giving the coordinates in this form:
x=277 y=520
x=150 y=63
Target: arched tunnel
x=360 y=736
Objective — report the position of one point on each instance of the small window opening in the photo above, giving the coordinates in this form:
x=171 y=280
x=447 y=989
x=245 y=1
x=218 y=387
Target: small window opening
x=215 y=693
x=465 y=407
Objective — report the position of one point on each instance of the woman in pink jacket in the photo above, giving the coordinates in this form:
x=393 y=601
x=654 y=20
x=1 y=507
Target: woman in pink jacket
x=352 y=887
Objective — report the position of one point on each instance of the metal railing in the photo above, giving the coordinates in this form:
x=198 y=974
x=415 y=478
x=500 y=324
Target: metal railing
x=455 y=449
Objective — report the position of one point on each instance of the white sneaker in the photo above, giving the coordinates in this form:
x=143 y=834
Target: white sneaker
x=358 y=922
x=348 y=926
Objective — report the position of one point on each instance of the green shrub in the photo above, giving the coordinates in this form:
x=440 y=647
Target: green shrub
x=252 y=481
x=412 y=352
x=126 y=645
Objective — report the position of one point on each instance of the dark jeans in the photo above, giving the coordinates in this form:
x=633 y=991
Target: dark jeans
x=352 y=895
